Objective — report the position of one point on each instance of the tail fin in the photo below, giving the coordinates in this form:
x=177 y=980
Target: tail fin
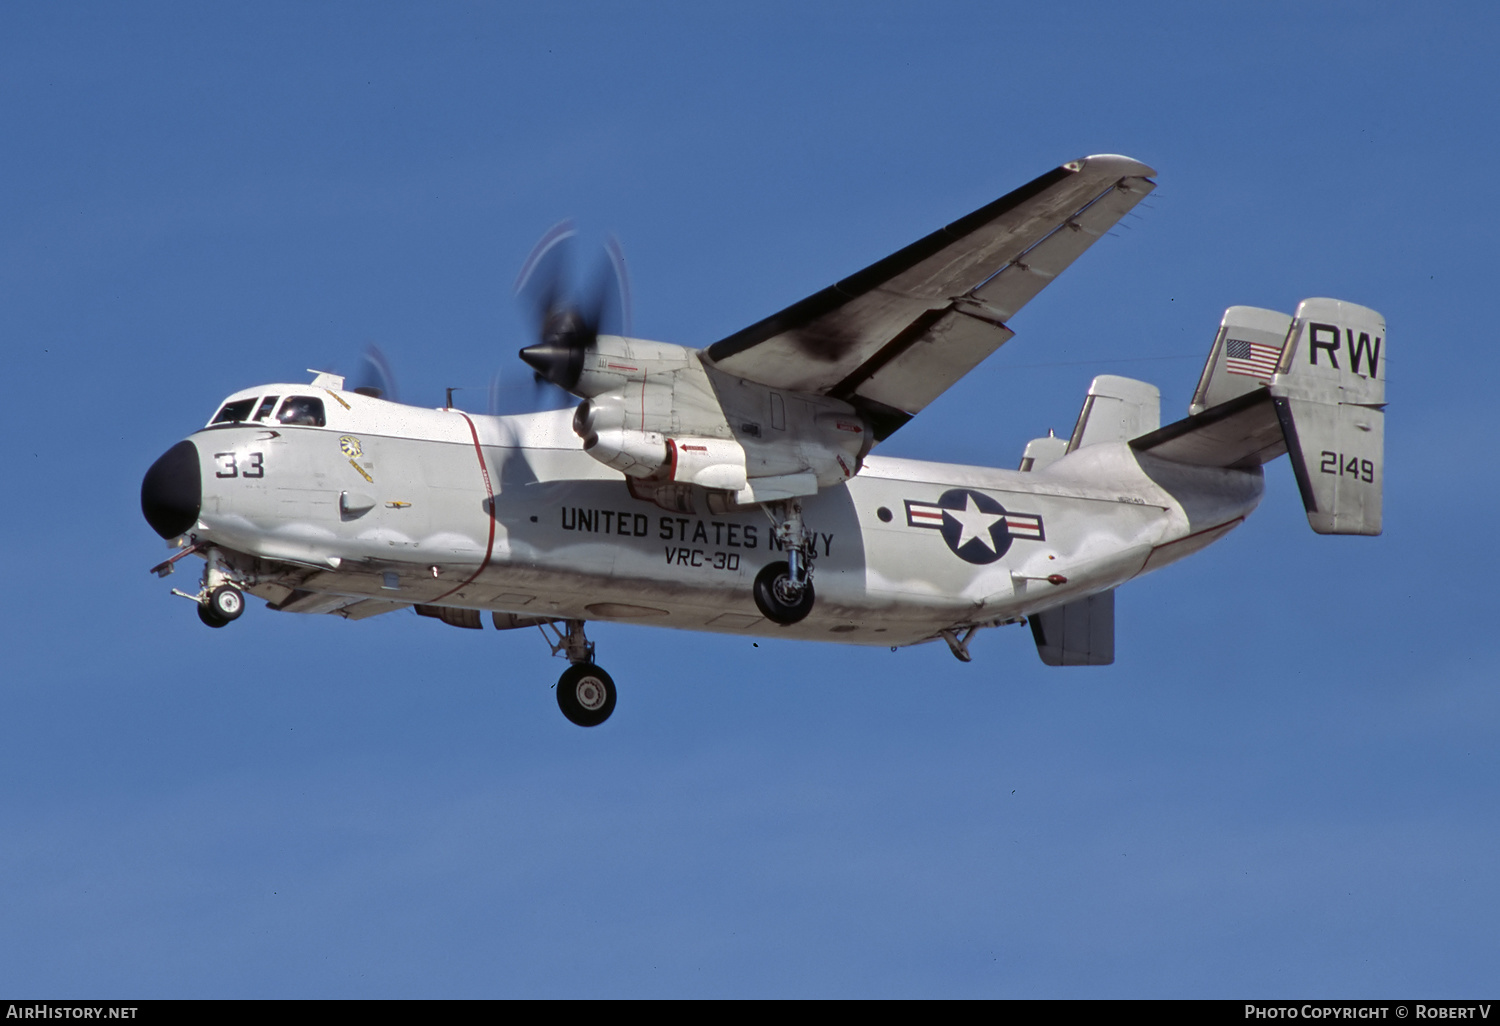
x=1312 y=386
x=1245 y=355
x=1330 y=400
x=1116 y=410
x=1081 y=633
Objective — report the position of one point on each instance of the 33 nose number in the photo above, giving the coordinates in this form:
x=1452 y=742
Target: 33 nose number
x=239 y=464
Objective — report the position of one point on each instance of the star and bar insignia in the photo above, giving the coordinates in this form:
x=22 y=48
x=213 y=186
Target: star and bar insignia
x=974 y=526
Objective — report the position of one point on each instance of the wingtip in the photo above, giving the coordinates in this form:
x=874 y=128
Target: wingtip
x=1114 y=164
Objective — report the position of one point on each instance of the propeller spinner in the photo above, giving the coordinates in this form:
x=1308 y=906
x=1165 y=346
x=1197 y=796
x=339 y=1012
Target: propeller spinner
x=569 y=327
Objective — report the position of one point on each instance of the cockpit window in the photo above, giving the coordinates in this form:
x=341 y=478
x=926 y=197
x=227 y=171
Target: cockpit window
x=266 y=406
x=234 y=412
x=302 y=409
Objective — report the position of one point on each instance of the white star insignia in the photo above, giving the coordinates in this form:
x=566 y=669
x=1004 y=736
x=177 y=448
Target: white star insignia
x=976 y=523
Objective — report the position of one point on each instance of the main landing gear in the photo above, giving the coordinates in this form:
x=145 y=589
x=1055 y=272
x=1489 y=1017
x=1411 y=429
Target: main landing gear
x=783 y=591
x=585 y=693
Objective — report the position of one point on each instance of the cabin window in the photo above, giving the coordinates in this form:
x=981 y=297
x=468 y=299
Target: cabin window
x=266 y=406
x=234 y=412
x=302 y=409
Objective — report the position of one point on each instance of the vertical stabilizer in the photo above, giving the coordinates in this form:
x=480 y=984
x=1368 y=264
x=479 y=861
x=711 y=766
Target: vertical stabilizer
x=1330 y=398
x=1245 y=355
x=1081 y=633
x=1041 y=452
x=1116 y=410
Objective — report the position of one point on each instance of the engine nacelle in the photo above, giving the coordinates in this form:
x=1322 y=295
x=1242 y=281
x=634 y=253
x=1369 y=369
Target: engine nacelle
x=610 y=434
x=634 y=453
x=615 y=362
x=679 y=426
x=630 y=450
x=710 y=462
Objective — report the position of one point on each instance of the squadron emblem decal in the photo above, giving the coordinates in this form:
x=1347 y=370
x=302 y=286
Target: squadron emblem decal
x=350 y=447
x=975 y=527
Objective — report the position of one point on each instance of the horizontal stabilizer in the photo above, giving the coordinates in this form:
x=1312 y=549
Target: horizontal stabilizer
x=1081 y=633
x=1241 y=433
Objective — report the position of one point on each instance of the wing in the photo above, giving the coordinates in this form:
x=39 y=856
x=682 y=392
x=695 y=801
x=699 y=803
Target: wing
x=895 y=336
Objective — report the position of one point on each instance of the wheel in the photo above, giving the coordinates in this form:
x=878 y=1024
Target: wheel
x=585 y=694
x=226 y=602
x=775 y=598
x=210 y=618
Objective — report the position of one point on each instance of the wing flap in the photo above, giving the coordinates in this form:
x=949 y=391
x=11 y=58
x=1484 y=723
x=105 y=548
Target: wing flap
x=949 y=343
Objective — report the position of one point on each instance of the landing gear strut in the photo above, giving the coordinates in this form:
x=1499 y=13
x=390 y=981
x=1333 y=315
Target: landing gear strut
x=585 y=693
x=783 y=591
x=220 y=601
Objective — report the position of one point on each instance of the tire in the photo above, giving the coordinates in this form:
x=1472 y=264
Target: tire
x=226 y=602
x=770 y=598
x=586 y=694
x=210 y=618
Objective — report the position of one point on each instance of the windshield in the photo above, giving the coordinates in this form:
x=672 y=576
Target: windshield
x=233 y=413
x=302 y=409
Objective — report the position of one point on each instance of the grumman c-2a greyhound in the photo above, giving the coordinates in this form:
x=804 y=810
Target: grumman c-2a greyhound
x=733 y=489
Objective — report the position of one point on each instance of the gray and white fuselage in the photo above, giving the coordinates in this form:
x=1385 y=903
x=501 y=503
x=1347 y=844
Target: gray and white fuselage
x=388 y=505
x=732 y=488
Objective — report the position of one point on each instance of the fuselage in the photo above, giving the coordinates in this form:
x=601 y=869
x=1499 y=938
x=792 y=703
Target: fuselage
x=364 y=501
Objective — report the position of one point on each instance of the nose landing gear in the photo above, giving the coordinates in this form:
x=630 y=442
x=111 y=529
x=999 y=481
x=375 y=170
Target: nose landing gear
x=222 y=606
x=585 y=693
x=220 y=600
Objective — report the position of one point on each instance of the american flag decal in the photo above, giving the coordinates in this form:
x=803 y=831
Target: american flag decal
x=1251 y=359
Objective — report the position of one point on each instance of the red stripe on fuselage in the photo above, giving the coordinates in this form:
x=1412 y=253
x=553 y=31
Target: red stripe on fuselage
x=489 y=502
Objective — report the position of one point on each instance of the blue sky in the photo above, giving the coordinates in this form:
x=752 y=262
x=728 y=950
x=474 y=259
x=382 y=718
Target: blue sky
x=1286 y=786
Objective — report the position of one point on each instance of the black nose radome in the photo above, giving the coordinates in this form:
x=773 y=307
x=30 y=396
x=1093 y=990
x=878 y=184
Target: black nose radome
x=172 y=491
